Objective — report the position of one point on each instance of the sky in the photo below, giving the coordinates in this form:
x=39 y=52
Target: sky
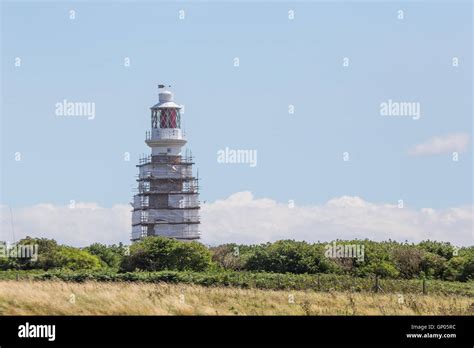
x=333 y=64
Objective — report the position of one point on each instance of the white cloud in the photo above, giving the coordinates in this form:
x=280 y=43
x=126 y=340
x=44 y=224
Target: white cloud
x=242 y=218
x=82 y=225
x=442 y=144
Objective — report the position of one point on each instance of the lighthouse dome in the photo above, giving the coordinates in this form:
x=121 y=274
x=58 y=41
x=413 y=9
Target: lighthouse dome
x=165 y=96
x=166 y=101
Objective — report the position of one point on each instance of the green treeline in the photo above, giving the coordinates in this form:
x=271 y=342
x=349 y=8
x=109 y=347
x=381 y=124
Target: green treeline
x=357 y=258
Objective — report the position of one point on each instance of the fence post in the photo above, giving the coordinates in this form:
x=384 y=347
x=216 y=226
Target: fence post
x=319 y=283
x=376 y=283
x=424 y=286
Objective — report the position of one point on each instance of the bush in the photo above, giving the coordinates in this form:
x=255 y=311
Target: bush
x=161 y=253
x=383 y=269
x=289 y=256
x=454 y=268
x=48 y=254
x=52 y=256
x=433 y=265
x=408 y=261
x=110 y=256
x=443 y=249
x=468 y=267
x=228 y=256
x=76 y=259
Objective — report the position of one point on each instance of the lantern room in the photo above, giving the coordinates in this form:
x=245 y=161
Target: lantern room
x=166 y=114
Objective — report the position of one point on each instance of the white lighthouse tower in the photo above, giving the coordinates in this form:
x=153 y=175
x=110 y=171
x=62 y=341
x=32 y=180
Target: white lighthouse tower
x=167 y=202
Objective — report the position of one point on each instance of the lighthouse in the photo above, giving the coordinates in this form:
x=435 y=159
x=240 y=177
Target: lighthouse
x=167 y=198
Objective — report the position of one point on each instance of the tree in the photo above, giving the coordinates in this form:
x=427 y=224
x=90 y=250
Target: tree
x=378 y=259
x=433 y=265
x=455 y=268
x=111 y=256
x=162 y=253
x=468 y=269
x=443 y=249
x=408 y=260
x=228 y=257
x=77 y=259
x=383 y=269
x=50 y=255
x=289 y=256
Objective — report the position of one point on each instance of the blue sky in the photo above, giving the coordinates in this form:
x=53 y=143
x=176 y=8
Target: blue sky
x=282 y=62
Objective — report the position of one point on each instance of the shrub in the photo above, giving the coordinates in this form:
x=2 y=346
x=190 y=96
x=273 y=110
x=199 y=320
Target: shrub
x=408 y=260
x=111 y=256
x=289 y=256
x=161 y=253
x=228 y=256
x=52 y=256
x=443 y=249
x=76 y=259
x=48 y=254
x=455 y=268
x=433 y=265
x=383 y=269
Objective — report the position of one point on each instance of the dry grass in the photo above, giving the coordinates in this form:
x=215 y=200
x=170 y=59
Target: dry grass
x=94 y=298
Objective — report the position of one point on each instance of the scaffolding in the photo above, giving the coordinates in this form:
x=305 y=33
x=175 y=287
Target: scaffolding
x=166 y=200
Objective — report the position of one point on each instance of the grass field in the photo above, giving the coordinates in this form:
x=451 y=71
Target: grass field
x=259 y=280
x=125 y=298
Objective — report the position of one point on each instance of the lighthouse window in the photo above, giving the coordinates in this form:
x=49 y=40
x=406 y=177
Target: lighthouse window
x=169 y=118
x=163 y=118
x=154 y=118
x=172 y=123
